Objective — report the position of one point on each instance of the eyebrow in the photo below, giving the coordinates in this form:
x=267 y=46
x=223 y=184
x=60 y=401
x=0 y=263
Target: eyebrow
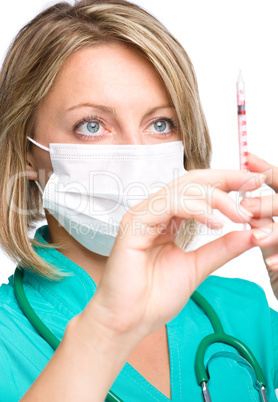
x=113 y=111
x=101 y=107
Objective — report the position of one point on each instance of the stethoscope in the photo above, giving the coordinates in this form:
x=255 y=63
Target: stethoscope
x=245 y=356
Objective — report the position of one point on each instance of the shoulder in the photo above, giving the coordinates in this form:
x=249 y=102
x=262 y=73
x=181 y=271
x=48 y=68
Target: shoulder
x=14 y=324
x=222 y=287
x=11 y=315
x=7 y=295
x=235 y=298
x=23 y=353
x=19 y=340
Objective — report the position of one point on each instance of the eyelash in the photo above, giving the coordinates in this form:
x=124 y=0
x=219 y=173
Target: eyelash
x=170 y=120
x=89 y=119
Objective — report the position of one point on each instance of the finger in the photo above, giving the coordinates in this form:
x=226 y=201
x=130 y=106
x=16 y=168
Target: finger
x=220 y=251
x=165 y=233
x=259 y=165
x=141 y=230
x=265 y=236
x=151 y=221
x=140 y=238
x=198 y=196
x=227 y=206
x=260 y=223
x=272 y=262
x=262 y=207
x=226 y=180
x=157 y=215
x=189 y=204
x=270 y=249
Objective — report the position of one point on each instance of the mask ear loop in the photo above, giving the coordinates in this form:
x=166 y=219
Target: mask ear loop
x=39 y=145
x=46 y=149
x=39 y=187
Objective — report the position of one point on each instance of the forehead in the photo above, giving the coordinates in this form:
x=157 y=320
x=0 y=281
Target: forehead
x=111 y=71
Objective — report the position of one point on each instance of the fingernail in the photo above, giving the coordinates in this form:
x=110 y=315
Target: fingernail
x=244 y=201
x=217 y=225
x=261 y=177
x=246 y=212
x=258 y=176
x=261 y=234
x=272 y=261
x=253 y=155
x=215 y=222
x=250 y=203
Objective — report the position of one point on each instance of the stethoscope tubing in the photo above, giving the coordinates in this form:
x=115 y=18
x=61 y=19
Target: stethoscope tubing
x=38 y=324
x=220 y=336
x=200 y=370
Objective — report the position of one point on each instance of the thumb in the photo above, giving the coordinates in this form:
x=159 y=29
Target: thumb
x=215 y=254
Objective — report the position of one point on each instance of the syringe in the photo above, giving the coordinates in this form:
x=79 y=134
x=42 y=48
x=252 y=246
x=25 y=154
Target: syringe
x=242 y=131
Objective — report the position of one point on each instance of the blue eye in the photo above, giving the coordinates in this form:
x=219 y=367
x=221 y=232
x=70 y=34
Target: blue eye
x=93 y=126
x=89 y=127
x=163 y=126
x=160 y=126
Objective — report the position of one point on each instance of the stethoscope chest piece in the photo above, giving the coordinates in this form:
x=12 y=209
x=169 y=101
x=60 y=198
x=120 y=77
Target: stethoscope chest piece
x=242 y=362
x=219 y=336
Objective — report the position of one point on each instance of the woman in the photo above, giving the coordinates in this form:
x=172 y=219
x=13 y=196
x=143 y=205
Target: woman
x=103 y=96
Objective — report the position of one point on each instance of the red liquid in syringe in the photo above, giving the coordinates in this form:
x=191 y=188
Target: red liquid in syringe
x=242 y=131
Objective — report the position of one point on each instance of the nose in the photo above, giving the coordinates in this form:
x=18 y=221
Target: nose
x=130 y=140
x=130 y=134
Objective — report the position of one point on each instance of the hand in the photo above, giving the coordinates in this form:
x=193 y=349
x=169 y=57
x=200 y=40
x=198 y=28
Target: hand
x=264 y=208
x=148 y=279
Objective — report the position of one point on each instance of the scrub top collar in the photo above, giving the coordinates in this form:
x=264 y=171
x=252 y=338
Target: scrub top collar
x=76 y=290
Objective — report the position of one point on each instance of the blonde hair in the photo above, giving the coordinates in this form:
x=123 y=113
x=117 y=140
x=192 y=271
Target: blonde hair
x=31 y=65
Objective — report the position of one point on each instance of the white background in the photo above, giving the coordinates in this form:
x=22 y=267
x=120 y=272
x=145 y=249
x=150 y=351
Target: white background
x=220 y=37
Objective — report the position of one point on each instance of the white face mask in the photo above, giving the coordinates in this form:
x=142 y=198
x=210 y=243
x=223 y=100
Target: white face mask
x=93 y=186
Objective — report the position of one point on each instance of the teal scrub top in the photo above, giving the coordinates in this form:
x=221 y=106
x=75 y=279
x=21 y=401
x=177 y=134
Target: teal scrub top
x=241 y=306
